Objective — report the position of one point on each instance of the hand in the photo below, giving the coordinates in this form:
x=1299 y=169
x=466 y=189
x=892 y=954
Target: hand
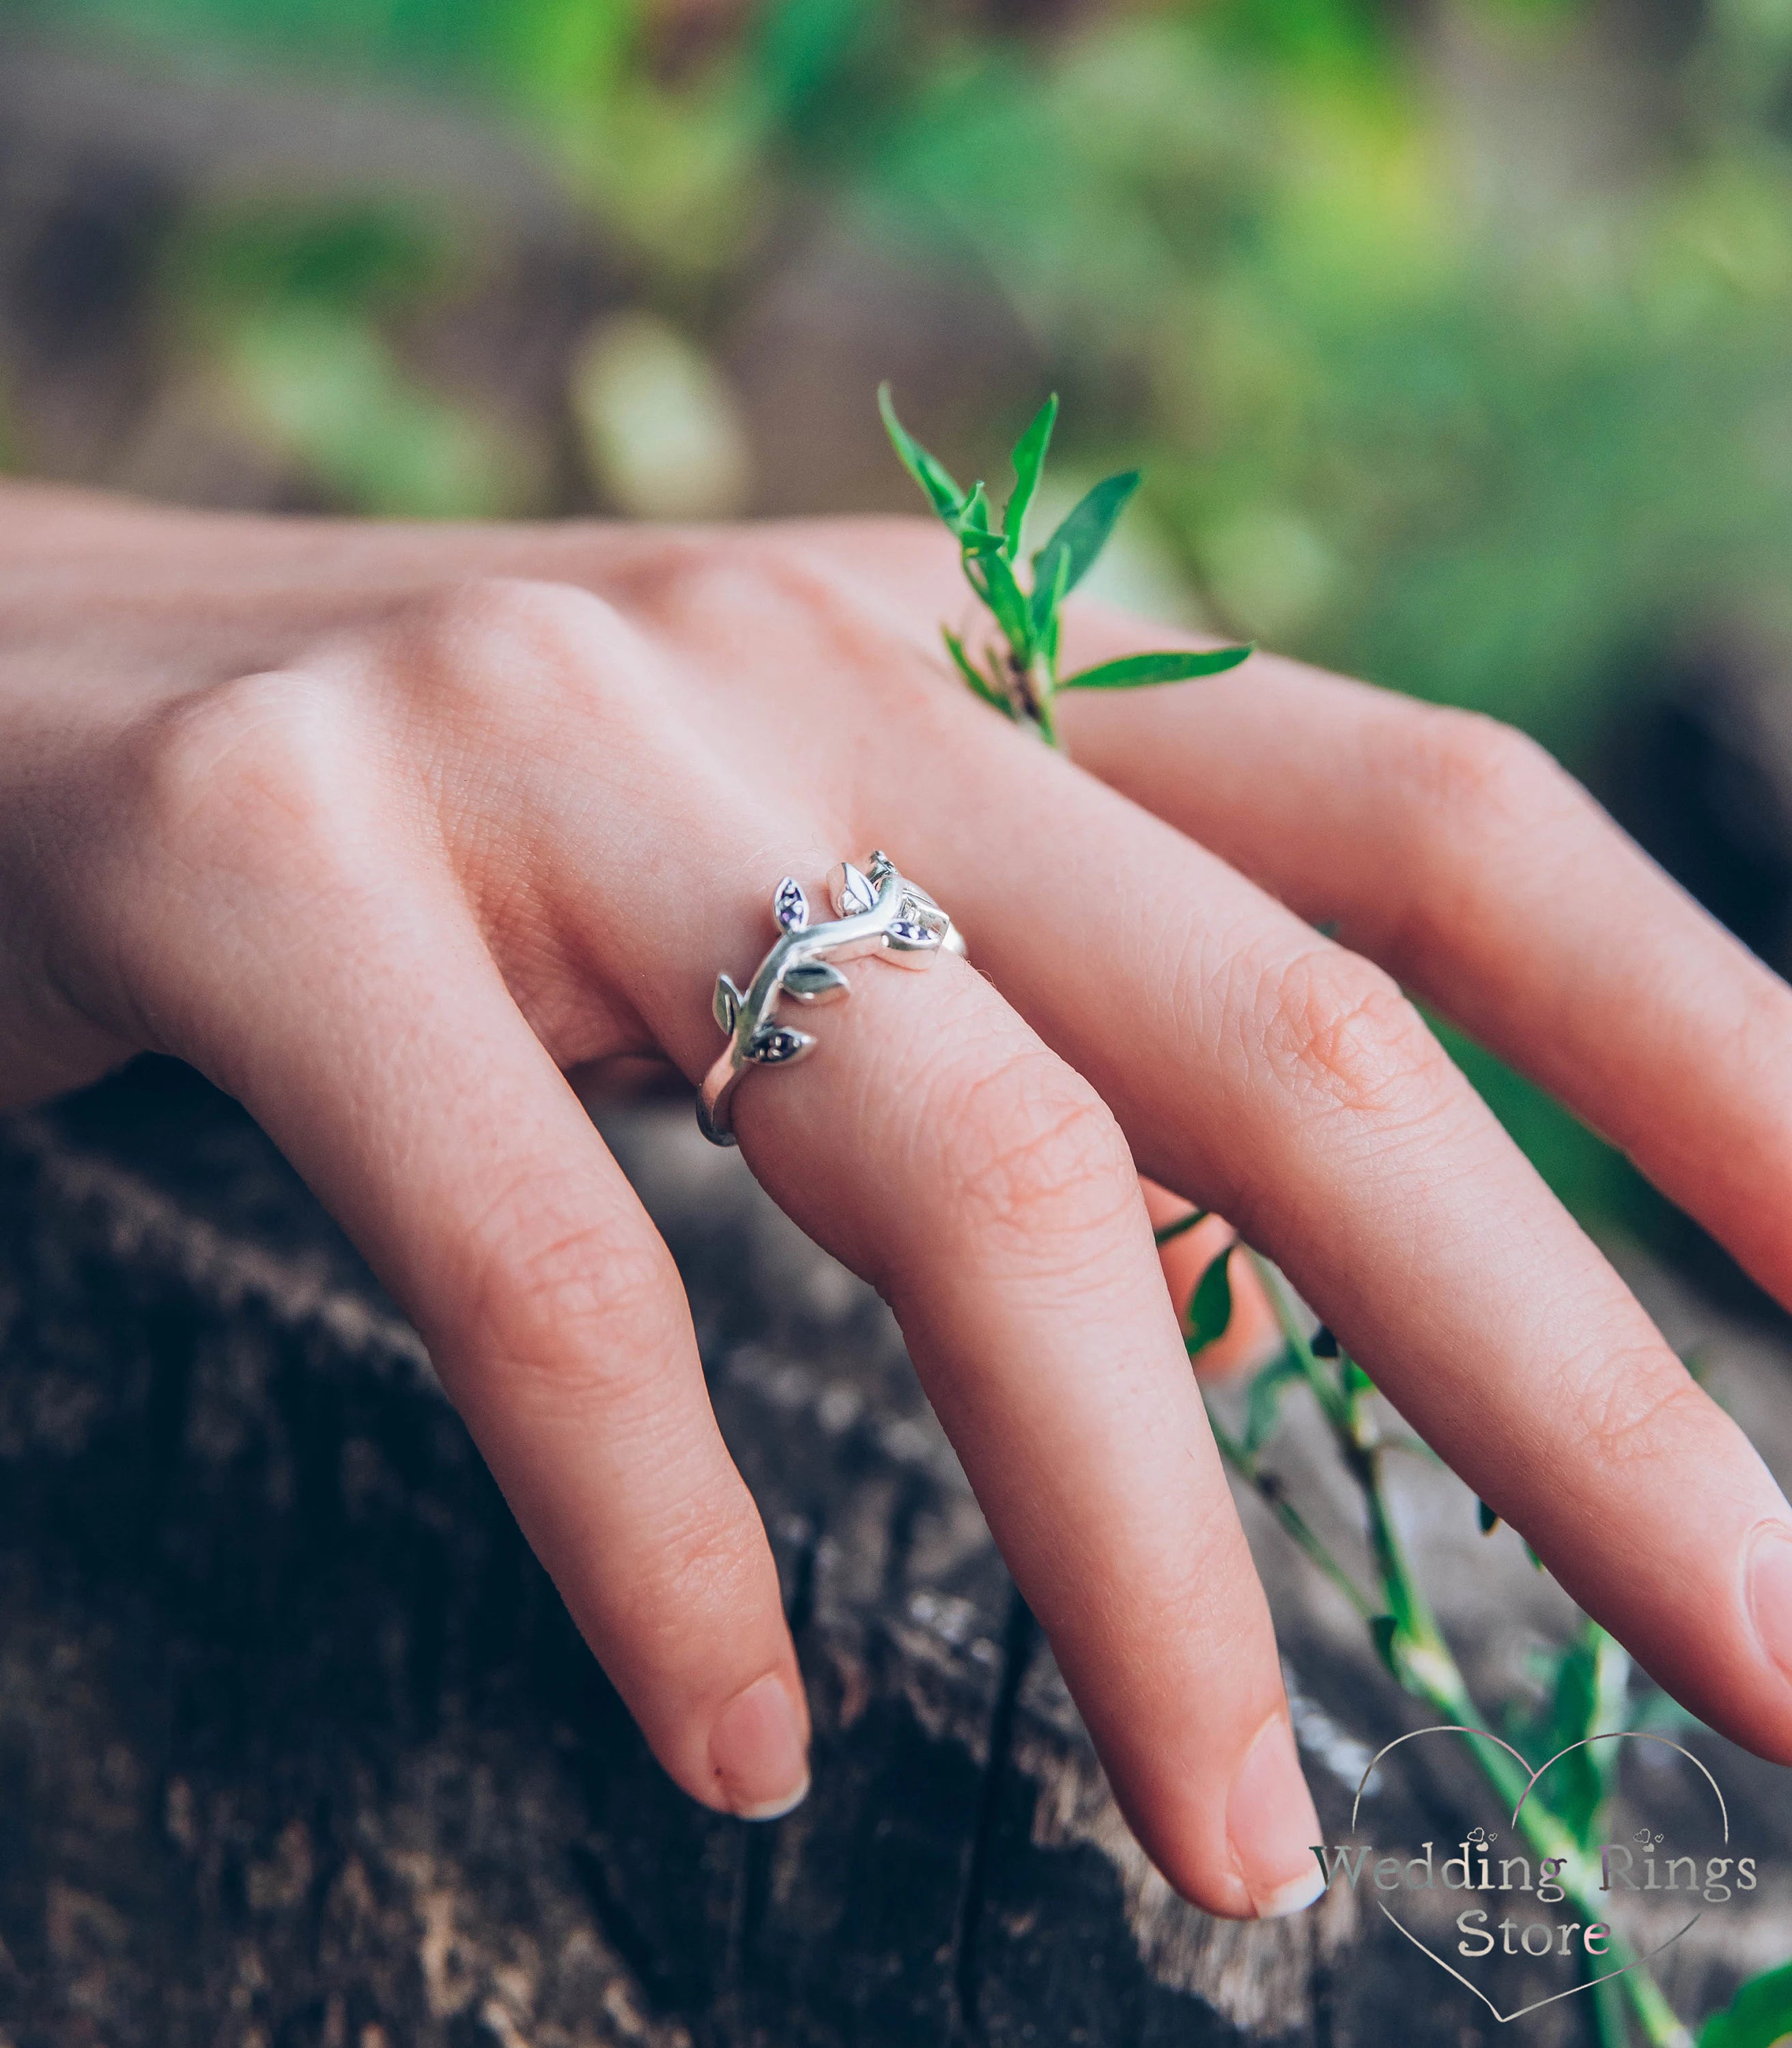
x=385 y=829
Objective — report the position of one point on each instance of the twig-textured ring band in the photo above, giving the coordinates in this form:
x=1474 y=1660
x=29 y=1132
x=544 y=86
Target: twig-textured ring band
x=875 y=912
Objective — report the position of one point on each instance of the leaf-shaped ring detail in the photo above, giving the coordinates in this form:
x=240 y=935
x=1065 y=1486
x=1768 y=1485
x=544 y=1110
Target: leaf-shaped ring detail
x=876 y=911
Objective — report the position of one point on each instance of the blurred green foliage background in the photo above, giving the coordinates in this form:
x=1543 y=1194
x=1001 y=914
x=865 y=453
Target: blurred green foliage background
x=1452 y=336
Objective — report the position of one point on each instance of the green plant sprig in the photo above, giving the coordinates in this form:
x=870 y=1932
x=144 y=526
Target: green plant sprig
x=1589 y=1677
x=1020 y=678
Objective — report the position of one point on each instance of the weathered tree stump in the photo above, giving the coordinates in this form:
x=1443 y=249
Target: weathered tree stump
x=297 y=1745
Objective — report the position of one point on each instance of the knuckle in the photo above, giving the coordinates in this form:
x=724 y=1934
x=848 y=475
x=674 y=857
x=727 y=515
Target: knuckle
x=519 y=607
x=1474 y=770
x=236 y=773
x=1038 y=1159
x=575 y=1315
x=749 y=573
x=500 y=641
x=704 y=1558
x=1335 y=1029
x=1637 y=1408
x=775 y=586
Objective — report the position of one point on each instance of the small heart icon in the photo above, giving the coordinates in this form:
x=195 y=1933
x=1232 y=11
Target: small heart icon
x=1582 y=1874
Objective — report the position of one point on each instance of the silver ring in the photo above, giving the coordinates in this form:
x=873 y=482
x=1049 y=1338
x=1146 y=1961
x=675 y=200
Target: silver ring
x=875 y=912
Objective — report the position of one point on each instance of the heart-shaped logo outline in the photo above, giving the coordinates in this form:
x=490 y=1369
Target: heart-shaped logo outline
x=1586 y=1742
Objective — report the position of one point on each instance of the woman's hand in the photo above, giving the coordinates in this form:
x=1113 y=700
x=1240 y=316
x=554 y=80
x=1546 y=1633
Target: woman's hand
x=385 y=829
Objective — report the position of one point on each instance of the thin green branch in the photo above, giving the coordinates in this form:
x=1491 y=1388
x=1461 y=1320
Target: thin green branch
x=1329 y=1391
x=1028 y=607
x=1269 y=1490
x=1416 y=1651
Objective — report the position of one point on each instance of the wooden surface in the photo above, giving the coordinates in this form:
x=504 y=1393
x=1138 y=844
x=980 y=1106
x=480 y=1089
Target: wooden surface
x=297 y=1744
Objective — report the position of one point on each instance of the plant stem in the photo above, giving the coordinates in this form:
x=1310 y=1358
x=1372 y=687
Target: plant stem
x=1269 y=1489
x=1171 y=1231
x=1032 y=687
x=1609 y=2015
x=1422 y=1660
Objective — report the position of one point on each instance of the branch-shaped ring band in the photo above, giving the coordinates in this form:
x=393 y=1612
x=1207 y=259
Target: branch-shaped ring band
x=875 y=912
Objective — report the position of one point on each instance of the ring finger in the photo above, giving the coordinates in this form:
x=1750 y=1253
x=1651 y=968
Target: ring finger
x=936 y=1145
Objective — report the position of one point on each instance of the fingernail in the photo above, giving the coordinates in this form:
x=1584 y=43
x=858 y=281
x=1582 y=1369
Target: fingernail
x=757 y=1752
x=1769 y=1594
x=1272 y=1826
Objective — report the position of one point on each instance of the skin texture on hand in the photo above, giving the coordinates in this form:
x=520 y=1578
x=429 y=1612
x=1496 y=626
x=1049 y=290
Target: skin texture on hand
x=387 y=829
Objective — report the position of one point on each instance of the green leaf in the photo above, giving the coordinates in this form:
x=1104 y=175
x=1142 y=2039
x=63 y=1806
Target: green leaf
x=931 y=474
x=1264 y=1402
x=979 y=542
x=1758 y=2016
x=1133 y=670
x=1054 y=629
x=1081 y=537
x=972 y=523
x=1163 y=1235
x=1042 y=611
x=993 y=582
x=973 y=674
x=1210 y=1308
x=1589 y=1681
x=1577 y=1784
x=1030 y=460
x=1489 y=1520
x=1386 y=1630
x=804 y=51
